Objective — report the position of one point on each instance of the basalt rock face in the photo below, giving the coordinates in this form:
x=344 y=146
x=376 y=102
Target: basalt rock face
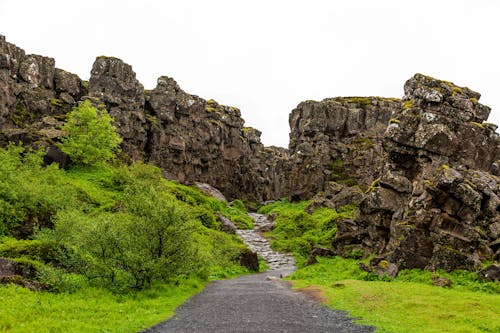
x=34 y=96
x=337 y=141
x=436 y=204
x=192 y=139
x=113 y=82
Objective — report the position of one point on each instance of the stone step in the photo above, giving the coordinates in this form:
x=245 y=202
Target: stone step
x=259 y=244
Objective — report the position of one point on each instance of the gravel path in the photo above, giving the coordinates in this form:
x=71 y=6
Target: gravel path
x=257 y=303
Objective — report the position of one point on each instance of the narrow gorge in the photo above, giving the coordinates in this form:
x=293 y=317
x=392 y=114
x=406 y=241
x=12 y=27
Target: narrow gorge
x=422 y=169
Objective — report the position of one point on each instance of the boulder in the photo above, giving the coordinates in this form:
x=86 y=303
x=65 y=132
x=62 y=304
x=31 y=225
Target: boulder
x=21 y=274
x=226 y=224
x=441 y=282
x=249 y=260
x=211 y=191
x=491 y=273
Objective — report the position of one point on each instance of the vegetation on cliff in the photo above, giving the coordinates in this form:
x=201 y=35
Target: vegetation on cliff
x=297 y=231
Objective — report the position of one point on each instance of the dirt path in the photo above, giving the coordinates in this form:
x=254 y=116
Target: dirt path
x=257 y=303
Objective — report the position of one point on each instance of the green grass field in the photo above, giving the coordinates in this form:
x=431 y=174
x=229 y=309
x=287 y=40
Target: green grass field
x=89 y=310
x=402 y=306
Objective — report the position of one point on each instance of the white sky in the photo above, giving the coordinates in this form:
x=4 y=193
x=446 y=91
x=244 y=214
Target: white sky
x=267 y=56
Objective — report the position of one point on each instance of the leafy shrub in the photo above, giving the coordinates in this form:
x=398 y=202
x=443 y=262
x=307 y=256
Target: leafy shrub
x=206 y=217
x=150 y=242
x=90 y=136
x=30 y=194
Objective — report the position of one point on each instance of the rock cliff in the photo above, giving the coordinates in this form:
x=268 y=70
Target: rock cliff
x=34 y=96
x=336 y=140
x=192 y=139
x=423 y=169
x=436 y=204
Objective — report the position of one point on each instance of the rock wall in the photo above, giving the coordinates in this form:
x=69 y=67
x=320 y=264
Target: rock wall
x=436 y=204
x=337 y=140
x=34 y=96
x=192 y=139
x=113 y=83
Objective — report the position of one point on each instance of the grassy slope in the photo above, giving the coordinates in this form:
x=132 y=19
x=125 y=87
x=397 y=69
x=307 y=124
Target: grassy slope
x=81 y=308
x=409 y=303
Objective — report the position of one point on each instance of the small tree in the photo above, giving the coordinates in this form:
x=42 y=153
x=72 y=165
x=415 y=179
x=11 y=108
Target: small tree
x=90 y=136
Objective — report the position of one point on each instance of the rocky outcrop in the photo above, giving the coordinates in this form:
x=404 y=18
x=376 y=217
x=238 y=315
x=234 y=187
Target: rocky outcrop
x=436 y=203
x=337 y=140
x=19 y=273
x=113 y=83
x=192 y=139
x=34 y=96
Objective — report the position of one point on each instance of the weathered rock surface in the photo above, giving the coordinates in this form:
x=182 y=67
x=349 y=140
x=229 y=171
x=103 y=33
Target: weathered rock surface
x=113 y=82
x=34 y=96
x=22 y=274
x=436 y=204
x=337 y=139
x=226 y=224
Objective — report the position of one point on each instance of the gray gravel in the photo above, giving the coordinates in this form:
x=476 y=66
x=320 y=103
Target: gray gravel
x=254 y=304
x=257 y=303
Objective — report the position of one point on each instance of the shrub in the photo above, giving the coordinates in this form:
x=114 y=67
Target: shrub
x=30 y=195
x=90 y=136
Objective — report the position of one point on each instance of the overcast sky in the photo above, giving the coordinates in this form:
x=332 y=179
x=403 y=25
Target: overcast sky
x=266 y=56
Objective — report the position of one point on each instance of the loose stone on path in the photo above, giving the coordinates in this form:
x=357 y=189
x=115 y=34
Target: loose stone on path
x=260 y=245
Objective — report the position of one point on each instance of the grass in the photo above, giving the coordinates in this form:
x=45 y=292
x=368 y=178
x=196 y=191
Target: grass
x=402 y=305
x=90 y=310
x=297 y=231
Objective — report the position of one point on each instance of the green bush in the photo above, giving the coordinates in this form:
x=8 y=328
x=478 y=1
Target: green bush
x=30 y=194
x=90 y=136
x=150 y=242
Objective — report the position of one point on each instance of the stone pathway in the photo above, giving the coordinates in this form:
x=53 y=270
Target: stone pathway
x=257 y=243
x=257 y=303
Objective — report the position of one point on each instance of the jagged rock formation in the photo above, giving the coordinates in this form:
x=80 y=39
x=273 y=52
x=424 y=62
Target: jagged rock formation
x=190 y=138
x=436 y=204
x=34 y=96
x=197 y=140
x=113 y=83
x=337 y=140
x=424 y=169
